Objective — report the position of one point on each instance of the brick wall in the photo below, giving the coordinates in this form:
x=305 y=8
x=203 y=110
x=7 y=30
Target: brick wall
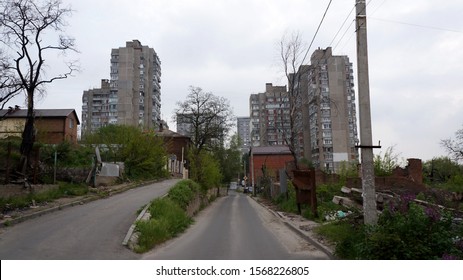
x=272 y=162
x=57 y=130
x=408 y=179
x=50 y=131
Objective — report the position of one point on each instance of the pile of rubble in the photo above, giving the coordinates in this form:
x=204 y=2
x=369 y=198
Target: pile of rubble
x=352 y=199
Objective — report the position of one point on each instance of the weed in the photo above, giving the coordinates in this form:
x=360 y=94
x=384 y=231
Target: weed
x=403 y=233
x=184 y=192
x=7 y=223
x=23 y=201
x=168 y=219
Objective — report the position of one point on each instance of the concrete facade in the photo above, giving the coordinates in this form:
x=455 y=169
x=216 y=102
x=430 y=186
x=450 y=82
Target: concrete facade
x=331 y=116
x=270 y=120
x=132 y=95
x=244 y=133
x=135 y=78
x=98 y=107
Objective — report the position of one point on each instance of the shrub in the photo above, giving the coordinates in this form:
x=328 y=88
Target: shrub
x=326 y=192
x=204 y=169
x=64 y=190
x=167 y=220
x=345 y=234
x=404 y=232
x=385 y=164
x=67 y=155
x=151 y=232
x=184 y=192
x=143 y=153
x=454 y=184
x=287 y=201
x=145 y=157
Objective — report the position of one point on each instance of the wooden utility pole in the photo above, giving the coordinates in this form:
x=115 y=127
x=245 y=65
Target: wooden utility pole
x=366 y=142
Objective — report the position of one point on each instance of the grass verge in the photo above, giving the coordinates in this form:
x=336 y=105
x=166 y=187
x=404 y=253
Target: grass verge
x=168 y=220
x=168 y=216
x=64 y=190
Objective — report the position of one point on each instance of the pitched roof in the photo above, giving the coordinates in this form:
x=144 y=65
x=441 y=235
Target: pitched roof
x=170 y=133
x=39 y=113
x=271 y=150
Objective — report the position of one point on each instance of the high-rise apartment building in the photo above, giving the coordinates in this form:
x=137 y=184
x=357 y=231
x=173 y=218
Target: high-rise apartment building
x=98 y=107
x=270 y=116
x=132 y=96
x=244 y=133
x=136 y=78
x=331 y=116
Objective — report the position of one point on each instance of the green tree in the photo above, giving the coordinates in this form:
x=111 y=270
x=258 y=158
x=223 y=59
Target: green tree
x=204 y=168
x=445 y=173
x=385 y=163
x=210 y=118
x=143 y=153
x=145 y=157
x=229 y=159
x=112 y=139
x=348 y=170
x=454 y=146
x=23 y=26
x=440 y=170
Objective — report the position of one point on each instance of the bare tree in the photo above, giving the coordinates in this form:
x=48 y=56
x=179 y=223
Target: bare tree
x=23 y=24
x=9 y=85
x=454 y=146
x=292 y=55
x=209 y=117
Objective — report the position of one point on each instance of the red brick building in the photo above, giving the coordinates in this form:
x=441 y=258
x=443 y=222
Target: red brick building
x=53 y=126
x=273 y=157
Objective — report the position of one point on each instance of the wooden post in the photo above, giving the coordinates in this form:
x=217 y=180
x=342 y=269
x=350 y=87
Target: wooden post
x=8 y=164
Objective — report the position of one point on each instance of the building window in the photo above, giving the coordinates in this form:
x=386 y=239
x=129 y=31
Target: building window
x=71 y=123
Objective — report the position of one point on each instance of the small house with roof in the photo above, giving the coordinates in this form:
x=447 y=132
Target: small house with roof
x=53 y=126
x=177 y=147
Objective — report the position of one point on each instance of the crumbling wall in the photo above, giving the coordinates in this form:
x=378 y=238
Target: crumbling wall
x=409 y=179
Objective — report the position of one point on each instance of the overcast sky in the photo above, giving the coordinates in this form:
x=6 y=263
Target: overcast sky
x=230 y=48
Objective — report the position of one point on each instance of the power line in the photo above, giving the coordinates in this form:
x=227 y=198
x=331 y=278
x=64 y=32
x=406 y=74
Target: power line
x=339 y=30
x=417 y=25
x=316 y=32
x=352 y=22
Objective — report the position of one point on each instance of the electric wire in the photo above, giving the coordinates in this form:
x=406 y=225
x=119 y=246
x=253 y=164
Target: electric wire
x=339 y=30
x=316 y=32
x=417 y=25
x=348 y=28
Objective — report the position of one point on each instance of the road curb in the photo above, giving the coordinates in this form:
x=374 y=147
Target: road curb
x=131 y=230
x=87 y=199
x=130 y=233
x=23 y=218
x=296 y=230
x=318 y=245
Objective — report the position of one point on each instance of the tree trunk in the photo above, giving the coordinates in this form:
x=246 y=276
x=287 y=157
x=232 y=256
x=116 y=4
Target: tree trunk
x=28 y=135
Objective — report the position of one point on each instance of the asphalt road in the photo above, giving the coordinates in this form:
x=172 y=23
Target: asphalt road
x=93 y=231
x=236 y=227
